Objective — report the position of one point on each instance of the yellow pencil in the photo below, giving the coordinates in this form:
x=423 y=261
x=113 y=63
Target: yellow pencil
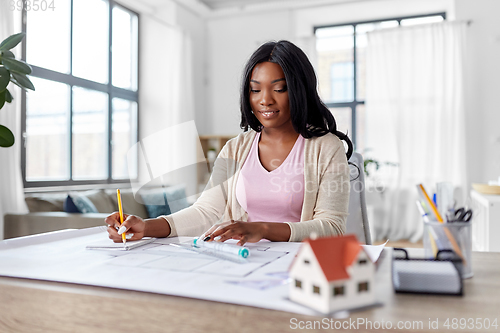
x=440 y=220
x=120 y=209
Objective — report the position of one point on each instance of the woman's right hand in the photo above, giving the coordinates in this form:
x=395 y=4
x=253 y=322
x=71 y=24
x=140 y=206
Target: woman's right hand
x=214 y=228
x=133 y=226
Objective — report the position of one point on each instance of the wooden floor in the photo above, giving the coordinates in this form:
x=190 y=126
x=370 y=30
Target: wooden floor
x=402 y=243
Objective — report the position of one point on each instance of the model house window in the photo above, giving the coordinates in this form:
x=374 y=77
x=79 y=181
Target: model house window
x=363 y=286
x=298 y=284
x=306 y=262
x=341 y=68
x=362 y=262
x=338 y=291
x=81 y=121
x=316 y=290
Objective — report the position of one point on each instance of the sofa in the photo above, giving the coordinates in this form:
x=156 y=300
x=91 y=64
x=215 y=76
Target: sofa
x=52 y=211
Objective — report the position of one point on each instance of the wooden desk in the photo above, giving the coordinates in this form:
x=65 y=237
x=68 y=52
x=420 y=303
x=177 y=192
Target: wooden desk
x=40 y=306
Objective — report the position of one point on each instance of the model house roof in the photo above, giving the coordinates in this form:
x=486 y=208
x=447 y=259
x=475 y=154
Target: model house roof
x=335 y=254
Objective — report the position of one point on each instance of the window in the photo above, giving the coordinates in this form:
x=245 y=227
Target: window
x=362 y=262
x=298 y=284
x=363 y=286
x=341 y=77
x=81 y=121
x=341 y=67
x=315 y=290
x=306 y=262
x=338 y=291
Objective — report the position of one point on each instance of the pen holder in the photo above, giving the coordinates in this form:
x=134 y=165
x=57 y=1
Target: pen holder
x=454 y=236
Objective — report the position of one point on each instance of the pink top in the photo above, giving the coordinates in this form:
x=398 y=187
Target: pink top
x=272 y=196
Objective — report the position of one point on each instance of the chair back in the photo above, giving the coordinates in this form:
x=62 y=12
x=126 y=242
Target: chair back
x=357 y=221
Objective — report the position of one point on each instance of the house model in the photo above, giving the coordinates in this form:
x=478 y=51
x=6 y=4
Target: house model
x=331 y=274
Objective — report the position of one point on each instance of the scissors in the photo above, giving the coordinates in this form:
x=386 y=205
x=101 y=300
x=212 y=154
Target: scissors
x=461 y=215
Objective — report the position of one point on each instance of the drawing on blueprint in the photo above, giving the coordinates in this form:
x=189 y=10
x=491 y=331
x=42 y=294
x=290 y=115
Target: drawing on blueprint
x=161 y=255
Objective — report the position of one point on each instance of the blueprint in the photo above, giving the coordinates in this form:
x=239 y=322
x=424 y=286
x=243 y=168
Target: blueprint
x=157 y=267
x=161 y=254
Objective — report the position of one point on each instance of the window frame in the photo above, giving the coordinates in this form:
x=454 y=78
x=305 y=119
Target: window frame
x=72 y=81
x=355 y=102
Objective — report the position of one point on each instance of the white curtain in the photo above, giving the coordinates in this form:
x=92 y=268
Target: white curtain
x=415 y=117
x=11 y=185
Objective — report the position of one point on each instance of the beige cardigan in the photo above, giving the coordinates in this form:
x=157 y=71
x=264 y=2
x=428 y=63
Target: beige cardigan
x=326 y=193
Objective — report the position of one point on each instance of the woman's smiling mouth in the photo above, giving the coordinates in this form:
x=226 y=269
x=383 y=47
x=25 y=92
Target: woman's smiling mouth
x=269 y=113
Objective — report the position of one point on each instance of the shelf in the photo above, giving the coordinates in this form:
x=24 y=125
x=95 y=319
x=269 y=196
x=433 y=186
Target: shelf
x=208 y=142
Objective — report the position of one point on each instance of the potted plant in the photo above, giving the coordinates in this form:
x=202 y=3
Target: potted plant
x=15 y=71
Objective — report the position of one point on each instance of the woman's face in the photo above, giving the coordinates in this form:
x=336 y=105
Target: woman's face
x=269 y=95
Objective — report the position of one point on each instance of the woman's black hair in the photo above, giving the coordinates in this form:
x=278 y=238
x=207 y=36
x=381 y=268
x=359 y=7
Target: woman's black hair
x=310 y=116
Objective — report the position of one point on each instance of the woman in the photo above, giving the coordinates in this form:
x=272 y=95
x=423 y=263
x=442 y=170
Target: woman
x=287 y=173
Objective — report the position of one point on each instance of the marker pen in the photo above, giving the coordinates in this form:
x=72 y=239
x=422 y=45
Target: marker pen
x=226 y=248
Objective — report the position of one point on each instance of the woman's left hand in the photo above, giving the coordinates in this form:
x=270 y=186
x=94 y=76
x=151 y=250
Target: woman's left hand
x=243 y=231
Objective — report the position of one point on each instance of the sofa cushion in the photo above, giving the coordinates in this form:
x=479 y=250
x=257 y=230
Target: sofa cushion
x=69 y=205
x=99 y=199
x=164 y=201
x=130 y=204
x=156 y=203
x=45 y=202
x=84 y=204
x=176 y=197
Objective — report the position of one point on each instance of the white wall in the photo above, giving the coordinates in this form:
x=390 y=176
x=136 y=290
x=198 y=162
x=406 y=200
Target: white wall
x=196 y=27
x=156 y=31
x=153 y=114
x=482 y=87
x=231 y=42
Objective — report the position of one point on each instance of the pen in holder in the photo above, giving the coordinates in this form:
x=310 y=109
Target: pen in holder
x=436 y=238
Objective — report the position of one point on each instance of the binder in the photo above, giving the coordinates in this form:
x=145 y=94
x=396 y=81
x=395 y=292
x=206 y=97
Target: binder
x=442 y=275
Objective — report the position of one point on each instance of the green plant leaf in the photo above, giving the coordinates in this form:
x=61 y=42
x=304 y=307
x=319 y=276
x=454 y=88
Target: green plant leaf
x=23 y=81
x=11 y=41
x=8 y=96
x=7 y=54
x=14 y=65
x=369 y=161
x=4 y=78
x=2 y=98
x=6 y=137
